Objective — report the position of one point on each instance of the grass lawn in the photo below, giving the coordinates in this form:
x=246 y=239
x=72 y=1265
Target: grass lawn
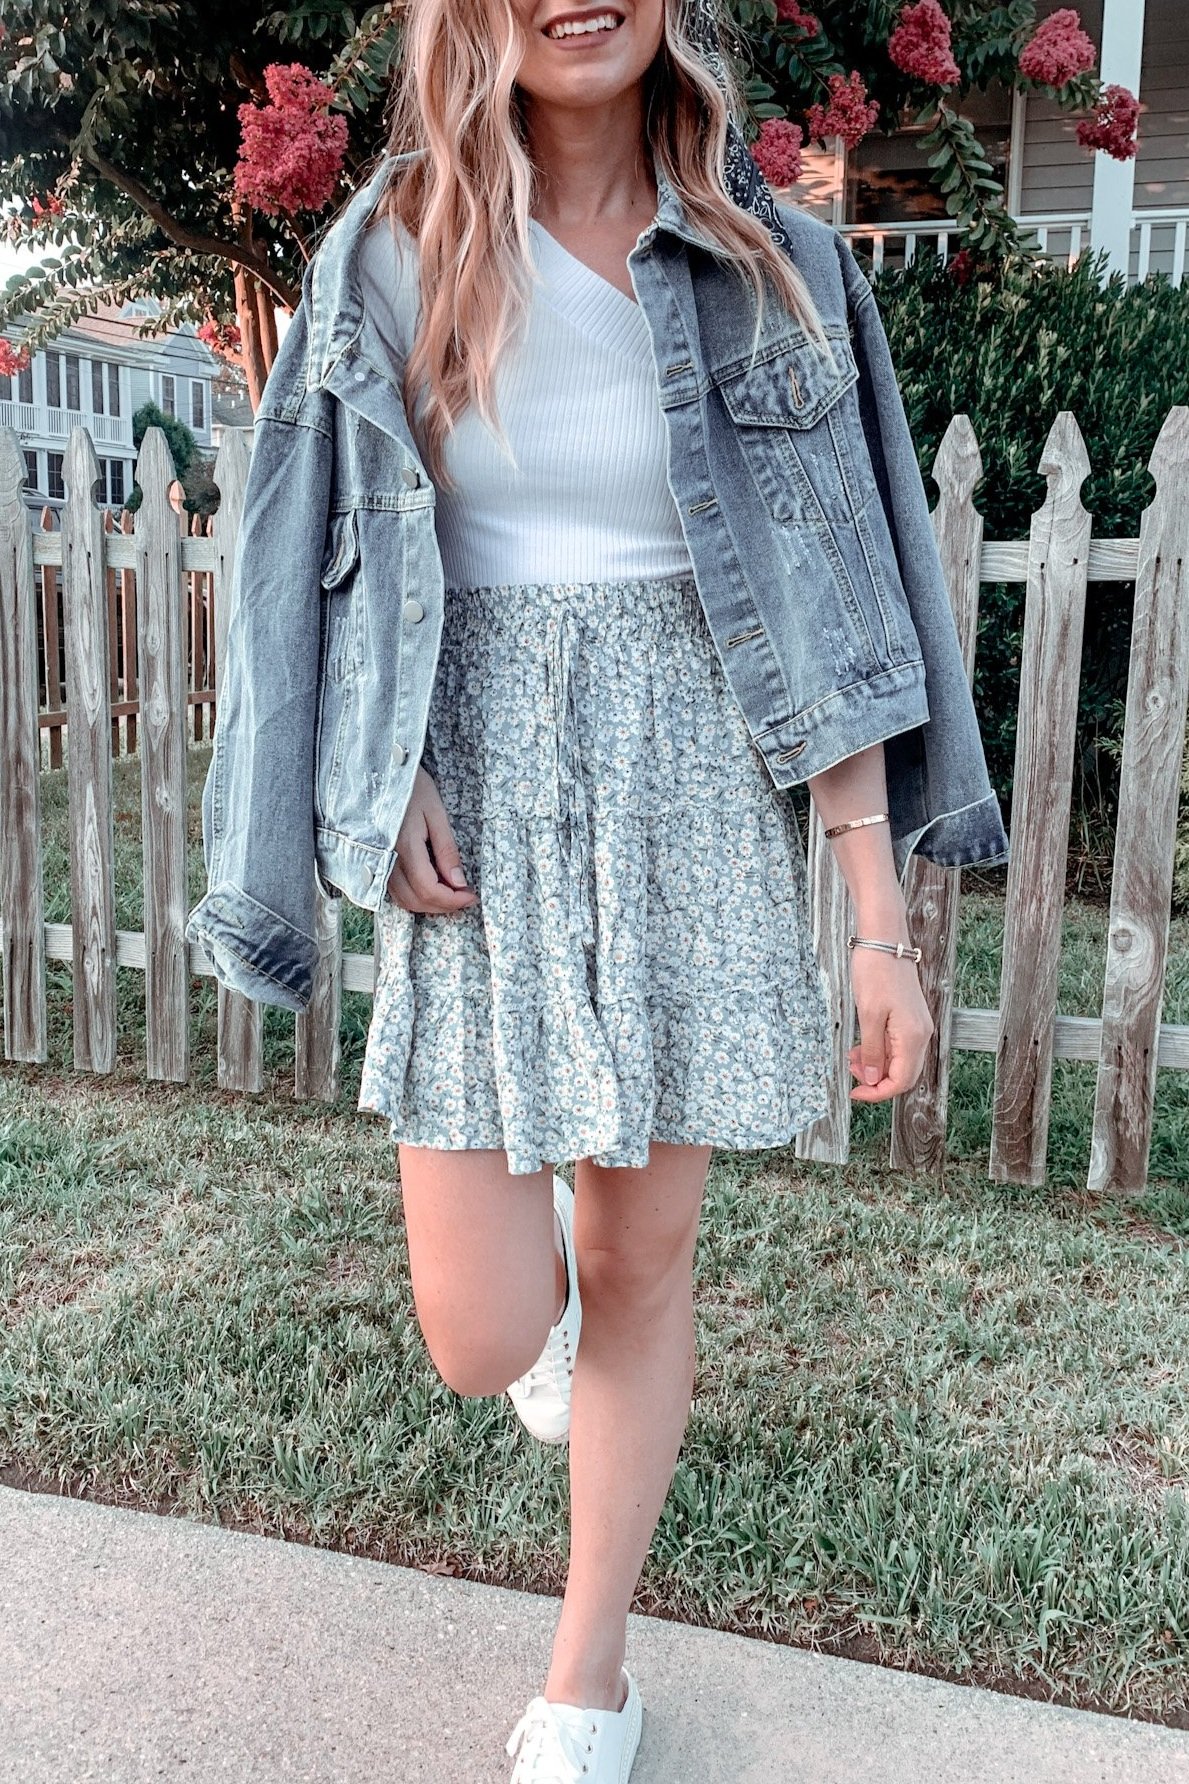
x=942 y=1425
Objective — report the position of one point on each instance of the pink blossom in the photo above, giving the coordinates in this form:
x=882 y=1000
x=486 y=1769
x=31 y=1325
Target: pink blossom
x=1058 y=50
x=848 y=113
x=291 y=150
x=12 y=361
x=777 y=151
x=790 y=12
x=221 y=337
x=920 y=44
x=1112 y=124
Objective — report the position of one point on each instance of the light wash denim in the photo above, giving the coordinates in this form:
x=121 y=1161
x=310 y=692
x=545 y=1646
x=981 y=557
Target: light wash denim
x=807 y=525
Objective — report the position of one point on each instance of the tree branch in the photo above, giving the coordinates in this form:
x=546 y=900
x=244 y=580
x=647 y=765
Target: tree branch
x=251 y=259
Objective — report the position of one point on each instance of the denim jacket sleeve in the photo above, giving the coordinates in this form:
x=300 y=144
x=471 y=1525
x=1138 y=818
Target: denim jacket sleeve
x=939 y=789
x=257 y=920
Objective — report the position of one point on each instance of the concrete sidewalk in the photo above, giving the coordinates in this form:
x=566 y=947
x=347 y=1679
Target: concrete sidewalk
x=136 y=1647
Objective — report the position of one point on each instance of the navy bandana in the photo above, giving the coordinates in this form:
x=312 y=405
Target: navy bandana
x=744 y=181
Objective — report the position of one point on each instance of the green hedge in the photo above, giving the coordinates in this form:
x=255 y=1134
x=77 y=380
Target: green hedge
x=1011 y=349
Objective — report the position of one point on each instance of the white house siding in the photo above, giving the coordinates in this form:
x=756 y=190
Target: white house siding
x=1056 y=172
x=107 y=339
x=1162 y=163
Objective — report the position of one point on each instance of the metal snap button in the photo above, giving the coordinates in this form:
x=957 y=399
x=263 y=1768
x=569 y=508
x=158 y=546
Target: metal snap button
x=414 y=610
x=400 y=754
x=361 y=377
x=410 y=476
x=367 y=876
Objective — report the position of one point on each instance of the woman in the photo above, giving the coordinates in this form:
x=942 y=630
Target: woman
x=594 y=934
x=477 y=1094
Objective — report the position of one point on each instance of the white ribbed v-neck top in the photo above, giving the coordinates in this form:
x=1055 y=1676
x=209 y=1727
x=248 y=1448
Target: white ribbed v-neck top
x=585 y=496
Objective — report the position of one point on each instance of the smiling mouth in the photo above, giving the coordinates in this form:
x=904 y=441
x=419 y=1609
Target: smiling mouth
x=582 y=30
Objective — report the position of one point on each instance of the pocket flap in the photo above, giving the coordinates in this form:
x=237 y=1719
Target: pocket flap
x=342 y=548
x=793 y=387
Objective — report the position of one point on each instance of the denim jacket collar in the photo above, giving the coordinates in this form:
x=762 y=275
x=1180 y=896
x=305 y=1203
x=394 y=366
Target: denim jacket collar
x=335 y=302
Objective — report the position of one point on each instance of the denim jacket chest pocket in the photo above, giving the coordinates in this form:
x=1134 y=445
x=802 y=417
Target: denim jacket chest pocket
x=342 y=603
x=796 y=416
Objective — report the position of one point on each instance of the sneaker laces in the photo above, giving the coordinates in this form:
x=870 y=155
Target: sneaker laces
x=553 y=1750
x=551 y=1367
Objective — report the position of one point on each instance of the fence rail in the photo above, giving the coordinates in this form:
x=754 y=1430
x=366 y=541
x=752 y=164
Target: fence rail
x=155 y=592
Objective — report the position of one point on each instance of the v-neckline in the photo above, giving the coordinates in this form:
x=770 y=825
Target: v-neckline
x=577 y=261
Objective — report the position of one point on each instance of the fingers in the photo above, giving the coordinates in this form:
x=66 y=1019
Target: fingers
x=427 y=857
x=891 y=1055
x=417 y=885
x=443 y=846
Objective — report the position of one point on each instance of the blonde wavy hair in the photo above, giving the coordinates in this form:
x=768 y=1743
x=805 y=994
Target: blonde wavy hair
x=468 y=197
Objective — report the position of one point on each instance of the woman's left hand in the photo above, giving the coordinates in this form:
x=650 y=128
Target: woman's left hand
x=894 y=1023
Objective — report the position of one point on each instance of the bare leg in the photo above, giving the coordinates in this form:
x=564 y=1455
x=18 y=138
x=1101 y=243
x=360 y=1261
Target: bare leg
x=487 y=1275
x=635 y=1233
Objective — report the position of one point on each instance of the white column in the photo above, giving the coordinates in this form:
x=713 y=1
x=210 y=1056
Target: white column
x=1114 y=181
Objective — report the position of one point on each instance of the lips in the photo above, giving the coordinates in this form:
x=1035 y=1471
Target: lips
x=586 y=16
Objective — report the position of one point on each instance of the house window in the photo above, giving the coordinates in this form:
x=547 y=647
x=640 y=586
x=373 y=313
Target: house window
x=55 y=488
x=888 y=177
x=72 y=382
x=31 y=471
x=115 y=482
x=97 y=387
x=113 y=390
x=19 y=388
x=168 y=394
x=198 y=405
x=53 y=380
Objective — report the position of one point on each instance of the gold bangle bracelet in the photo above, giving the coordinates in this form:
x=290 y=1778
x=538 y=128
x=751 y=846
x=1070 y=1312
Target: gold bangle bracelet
x=879 y=817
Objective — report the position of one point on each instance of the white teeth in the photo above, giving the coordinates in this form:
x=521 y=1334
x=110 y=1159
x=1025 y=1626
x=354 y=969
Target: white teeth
x=576 y=27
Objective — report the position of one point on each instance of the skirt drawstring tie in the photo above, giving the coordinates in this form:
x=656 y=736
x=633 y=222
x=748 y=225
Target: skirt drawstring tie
x=571 y=804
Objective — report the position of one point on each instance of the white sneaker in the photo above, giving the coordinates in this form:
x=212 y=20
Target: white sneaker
x=563 y=1744
x=542 y=1395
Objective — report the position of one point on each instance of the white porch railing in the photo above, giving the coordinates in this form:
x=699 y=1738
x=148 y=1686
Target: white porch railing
x=58 y=424
x=1159 y=240
x=106 y=430
x=20 y=416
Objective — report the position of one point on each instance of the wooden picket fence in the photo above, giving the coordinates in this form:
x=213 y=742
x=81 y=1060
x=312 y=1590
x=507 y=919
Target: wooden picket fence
x=121 y=634
x=157 y=564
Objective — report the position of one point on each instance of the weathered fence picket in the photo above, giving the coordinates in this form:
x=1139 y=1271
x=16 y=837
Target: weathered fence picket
x=88 y=763
x=1042 y=789
x=145 y=619
x=22 y=905
x=1146 y=831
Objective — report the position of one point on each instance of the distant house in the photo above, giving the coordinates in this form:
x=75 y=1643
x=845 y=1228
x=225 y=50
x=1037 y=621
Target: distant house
x=880 y=197
x=230 y=405
x=97 y=374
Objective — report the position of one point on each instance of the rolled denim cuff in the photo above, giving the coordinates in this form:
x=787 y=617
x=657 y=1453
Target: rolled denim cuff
x=252 y=949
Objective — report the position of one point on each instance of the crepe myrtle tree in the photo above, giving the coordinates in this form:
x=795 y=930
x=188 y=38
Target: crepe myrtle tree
x=183 y=151
x=848 y=67
x=194 y=153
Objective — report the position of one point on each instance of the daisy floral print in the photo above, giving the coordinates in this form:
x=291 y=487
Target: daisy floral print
x=637 y=964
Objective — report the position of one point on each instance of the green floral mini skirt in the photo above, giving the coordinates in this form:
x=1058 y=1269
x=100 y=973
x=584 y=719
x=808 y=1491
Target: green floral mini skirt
x=638 y=964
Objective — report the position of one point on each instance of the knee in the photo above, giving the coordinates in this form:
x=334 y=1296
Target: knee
x=477 y=1369
x=637 y=1284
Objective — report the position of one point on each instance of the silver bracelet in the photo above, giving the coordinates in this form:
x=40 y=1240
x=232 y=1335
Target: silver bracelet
x=900 y=949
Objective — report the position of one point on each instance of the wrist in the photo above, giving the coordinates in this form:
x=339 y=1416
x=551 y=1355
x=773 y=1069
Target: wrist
x=882 y=921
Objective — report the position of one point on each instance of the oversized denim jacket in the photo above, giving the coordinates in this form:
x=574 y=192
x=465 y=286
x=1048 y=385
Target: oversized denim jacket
x=806 y=521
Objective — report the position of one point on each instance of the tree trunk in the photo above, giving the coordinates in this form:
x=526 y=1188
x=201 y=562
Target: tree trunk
x=258 y=331
x=266 y=306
